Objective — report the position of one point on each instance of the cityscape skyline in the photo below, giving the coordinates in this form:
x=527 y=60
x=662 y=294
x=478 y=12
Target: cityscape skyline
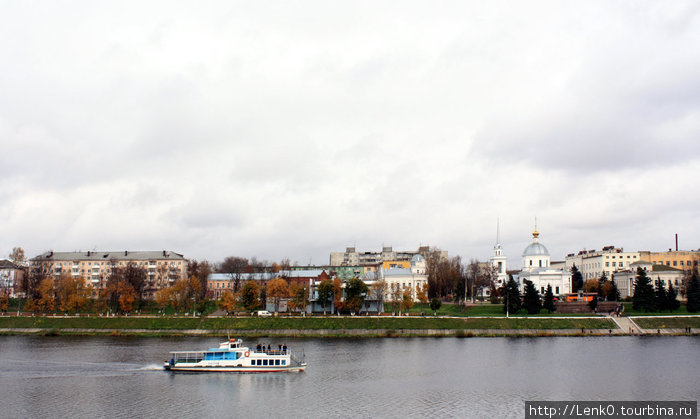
x=290 y=131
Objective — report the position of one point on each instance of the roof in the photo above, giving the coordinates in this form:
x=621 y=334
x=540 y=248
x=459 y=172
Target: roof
x=264 y=276
x=658 y=268
x=8 y=264
x=535 y=249
x=95 y=255
x=397 y=272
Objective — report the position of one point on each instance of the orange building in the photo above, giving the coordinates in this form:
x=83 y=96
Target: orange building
x=679 y=259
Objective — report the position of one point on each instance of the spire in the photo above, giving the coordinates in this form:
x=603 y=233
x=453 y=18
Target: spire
x=498 y=230
x=535 y=234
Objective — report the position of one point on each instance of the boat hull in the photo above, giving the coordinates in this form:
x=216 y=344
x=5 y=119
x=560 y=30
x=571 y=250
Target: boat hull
x=241 y=369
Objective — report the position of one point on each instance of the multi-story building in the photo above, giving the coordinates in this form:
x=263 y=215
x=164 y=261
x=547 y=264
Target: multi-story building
x=11 y=277
x=593 y=263
x=679 y=259
x=351 y=257
x=624 y=281
x=162 y=268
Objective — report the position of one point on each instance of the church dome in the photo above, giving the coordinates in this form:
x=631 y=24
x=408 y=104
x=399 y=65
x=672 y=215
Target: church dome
x=417 y=259
x=535 y=249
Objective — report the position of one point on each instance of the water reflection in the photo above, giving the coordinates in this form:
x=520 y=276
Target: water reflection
x=475 y=377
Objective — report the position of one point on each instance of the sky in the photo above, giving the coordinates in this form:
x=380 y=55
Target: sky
x=289 y=129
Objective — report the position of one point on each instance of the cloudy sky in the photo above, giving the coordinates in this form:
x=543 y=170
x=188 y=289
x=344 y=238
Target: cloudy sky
x=284 y=129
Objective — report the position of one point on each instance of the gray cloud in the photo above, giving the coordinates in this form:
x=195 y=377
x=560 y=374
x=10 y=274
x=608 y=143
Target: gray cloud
x=279 y=130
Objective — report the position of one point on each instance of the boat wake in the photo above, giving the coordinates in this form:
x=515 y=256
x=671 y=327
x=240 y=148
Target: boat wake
x=152 y=367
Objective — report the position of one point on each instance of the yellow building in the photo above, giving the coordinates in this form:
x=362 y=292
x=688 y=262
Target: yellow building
x=679 y=259
x=403 y=264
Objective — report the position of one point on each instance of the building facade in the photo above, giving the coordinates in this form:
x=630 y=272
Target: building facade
x=537 y=268
x=162 y=268
x=624 y=281
x=11 y=277
x=594 y=263
x=351 y=257
x=684 y=260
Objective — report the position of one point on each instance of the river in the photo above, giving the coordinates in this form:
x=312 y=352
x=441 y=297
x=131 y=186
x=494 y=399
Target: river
x=409 y=377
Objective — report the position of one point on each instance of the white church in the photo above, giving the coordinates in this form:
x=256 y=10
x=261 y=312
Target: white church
x=536 y=268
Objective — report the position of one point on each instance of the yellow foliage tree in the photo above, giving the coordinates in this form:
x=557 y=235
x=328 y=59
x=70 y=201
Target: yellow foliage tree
x=4 y=301
x=277 y=289
x=228 y=302
x=591 y=285
x=422 y=294
x=47 y=300
x=71 y=293
x=338 y=295
x=127 y=296
x=407 y=300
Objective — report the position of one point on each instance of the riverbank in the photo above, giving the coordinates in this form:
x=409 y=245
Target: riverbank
x=332 y=326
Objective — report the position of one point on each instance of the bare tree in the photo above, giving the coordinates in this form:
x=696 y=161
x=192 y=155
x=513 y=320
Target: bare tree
x=235 y=267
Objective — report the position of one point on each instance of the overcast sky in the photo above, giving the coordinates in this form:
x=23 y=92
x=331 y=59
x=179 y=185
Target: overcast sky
x=292 y=129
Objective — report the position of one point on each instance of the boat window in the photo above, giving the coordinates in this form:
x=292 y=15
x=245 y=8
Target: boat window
x=277 y=361
x=264 y=361
x=284 y=362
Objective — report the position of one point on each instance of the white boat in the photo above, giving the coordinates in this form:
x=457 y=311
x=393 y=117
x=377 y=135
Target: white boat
x=232 y=356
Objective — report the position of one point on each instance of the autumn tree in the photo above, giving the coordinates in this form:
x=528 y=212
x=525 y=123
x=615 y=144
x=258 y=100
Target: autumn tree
x=250 y=296
x=338 y=295
x=227 y=302
x=298 y=294
x=277 y=289
x=422 y=294
x=377 y=292
x=396 y=297
x=17 y=256
x=355 y=293
x=46 y=300
x=37 y=274
x=4 y=301
x=591 y=286
x=325 y=293
x=118 y=295
x=201 y=270
x=235 y=267
x=407 y=300
x=71 y=293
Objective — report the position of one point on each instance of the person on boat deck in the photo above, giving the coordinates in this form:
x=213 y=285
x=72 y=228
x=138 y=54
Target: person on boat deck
x=268 y=347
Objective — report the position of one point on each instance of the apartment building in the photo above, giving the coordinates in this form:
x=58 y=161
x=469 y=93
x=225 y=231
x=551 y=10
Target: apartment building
x=593 y=263
x=679 y=259
x=11 y=277
x=351 y=257
x=162 y=267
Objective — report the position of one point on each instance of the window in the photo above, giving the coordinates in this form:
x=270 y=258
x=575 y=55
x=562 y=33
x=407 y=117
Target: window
x=557 y=290
x=264 y=362
x=542 y=290
x=540 y=263
x=277 y=361
x=284 y=362
x=530 y=262
x=675 y=263
x=668 y=263
x=607 y=264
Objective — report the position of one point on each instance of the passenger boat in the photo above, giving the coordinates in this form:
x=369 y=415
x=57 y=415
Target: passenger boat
x=232 y=356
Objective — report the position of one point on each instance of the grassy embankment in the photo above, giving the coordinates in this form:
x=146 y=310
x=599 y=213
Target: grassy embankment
x=258 y=326
x=668 y=322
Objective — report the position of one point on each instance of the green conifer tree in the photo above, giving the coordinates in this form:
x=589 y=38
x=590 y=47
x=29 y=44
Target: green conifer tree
x=660 y=296
x=549 y=299
x=643 y=298
x=576 y=279
x=671 y=297
x=693 y=292
x=511 y=297
x=531 y=299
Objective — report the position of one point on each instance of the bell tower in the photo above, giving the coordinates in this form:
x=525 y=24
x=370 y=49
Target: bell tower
x=498 y=260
